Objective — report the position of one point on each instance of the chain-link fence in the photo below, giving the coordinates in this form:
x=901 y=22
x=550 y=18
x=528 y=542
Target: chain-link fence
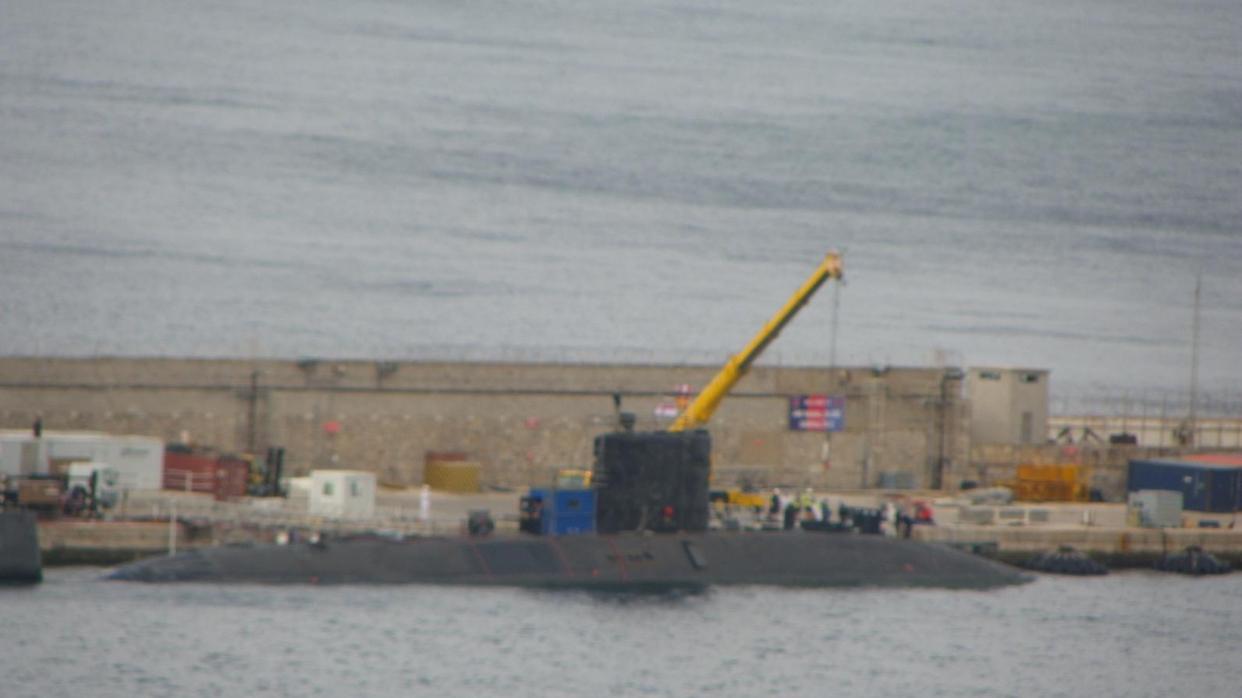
x=1165 y=404
x=1150 y=418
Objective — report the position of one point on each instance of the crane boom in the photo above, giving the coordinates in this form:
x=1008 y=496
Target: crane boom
x=698 y=412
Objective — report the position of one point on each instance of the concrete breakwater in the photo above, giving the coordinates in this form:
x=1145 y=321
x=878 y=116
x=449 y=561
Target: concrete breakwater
x=1115 y=546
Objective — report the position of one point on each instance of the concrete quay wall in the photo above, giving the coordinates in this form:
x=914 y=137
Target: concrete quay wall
x=519 y=421
x=1116 y=546
x=76 y=542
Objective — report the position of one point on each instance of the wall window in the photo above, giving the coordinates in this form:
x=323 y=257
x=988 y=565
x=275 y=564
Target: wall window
x=990 y=375
x=1030 y=378
x=328 y=489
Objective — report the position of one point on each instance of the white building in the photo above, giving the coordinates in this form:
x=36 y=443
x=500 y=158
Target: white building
x=138 y=460
x=342 y=494
x=1008 y=405
x=22 y=454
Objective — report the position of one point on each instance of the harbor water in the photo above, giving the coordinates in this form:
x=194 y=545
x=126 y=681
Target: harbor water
x=1133 y=634
x=1014 y=183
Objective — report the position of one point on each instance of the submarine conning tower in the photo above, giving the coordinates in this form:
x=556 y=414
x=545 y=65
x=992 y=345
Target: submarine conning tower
x=652 y=481
x=658 y=481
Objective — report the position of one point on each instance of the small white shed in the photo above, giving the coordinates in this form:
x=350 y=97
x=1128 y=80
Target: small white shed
x=342 y=494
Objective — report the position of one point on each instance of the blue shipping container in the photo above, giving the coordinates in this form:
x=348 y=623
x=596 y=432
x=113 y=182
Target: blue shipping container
x=565 y=512
x=1204 y=486
x=570 y=502
x=568 y=524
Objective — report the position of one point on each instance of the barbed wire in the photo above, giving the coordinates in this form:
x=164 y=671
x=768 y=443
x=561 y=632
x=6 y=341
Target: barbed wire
x=1147 y=401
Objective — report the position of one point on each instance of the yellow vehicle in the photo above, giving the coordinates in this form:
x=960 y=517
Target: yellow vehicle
x=739 y=498
x=573 y=478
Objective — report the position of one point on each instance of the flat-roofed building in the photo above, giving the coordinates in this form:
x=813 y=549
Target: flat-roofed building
x=1008 y=405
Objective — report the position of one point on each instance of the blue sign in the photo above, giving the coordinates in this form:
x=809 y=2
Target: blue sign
x=817 y=413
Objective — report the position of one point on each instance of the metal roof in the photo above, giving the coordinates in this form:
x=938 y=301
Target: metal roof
x=1207 y=461
x=1228 y=459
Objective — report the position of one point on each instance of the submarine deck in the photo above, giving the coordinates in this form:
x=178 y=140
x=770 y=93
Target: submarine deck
x=589 y=561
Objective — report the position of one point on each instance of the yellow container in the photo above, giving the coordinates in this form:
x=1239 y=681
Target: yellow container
x=748 y=499
x=1049 y=473
x=1050 y=483
x=452 y=475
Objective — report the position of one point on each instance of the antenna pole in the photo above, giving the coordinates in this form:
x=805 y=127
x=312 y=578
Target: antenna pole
x=1194 y=363
x=832 y=328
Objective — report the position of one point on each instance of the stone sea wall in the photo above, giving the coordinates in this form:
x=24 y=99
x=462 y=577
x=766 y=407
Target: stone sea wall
x=519 y=421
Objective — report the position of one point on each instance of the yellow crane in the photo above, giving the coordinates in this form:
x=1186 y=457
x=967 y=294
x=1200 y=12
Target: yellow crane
x=698 y=412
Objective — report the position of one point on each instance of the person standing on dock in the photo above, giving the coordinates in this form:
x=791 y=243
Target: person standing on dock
x=806 y=505
x=424 y=504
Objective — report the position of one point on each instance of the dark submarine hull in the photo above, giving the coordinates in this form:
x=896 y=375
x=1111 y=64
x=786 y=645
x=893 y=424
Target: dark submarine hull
x=605 y=562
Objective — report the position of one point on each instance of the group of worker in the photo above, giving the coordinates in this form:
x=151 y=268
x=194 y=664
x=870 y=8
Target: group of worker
x=890 y=519
x=803 y=507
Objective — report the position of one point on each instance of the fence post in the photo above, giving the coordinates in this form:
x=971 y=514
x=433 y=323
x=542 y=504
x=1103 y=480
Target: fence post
x=172 y=529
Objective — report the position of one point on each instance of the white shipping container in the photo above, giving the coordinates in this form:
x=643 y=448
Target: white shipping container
x=342 y=494
x=1157 y=508
x=138 y=460
x=22 y=454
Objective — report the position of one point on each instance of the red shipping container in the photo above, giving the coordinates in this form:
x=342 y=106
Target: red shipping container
x=221 y=476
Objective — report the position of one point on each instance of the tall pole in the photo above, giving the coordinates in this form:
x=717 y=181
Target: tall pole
x=937 y=479
x=172 y=529
x=1194 y=364
x=252 y=431
x=832 y=328
x=826 y=452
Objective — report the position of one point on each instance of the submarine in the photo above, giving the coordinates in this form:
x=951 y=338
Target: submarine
x=646 y=531
x=642 y=525
x=620 y=563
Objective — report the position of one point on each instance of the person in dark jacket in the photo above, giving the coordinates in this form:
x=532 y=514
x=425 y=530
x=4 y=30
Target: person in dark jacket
x=791 y=516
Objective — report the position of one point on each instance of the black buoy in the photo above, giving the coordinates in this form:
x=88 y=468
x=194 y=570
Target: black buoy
x=1065 y=560
x=1194 y=561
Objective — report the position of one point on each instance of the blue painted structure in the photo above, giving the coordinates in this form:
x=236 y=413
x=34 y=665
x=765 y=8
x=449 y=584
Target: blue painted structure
x=565 y=512
x=1205 y=486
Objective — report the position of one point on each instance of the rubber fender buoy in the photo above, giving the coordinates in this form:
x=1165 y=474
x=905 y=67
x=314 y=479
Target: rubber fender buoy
x=1065 y=560
x=1192 y=561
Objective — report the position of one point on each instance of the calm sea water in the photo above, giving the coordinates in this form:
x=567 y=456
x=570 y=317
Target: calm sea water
x=1017 y=183
x=1132 y=634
